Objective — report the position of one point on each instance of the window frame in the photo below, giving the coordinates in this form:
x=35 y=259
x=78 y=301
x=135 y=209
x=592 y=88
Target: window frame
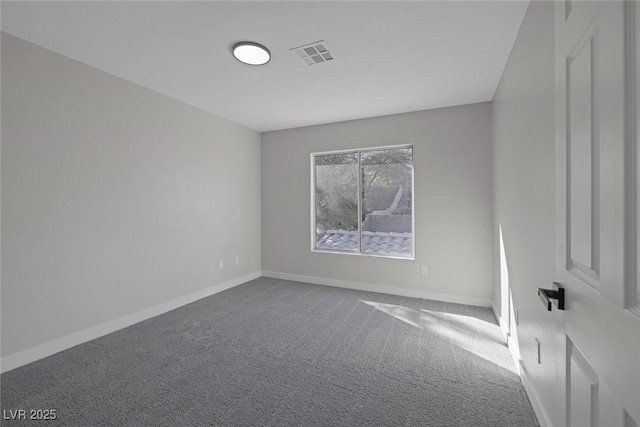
x=313 y=203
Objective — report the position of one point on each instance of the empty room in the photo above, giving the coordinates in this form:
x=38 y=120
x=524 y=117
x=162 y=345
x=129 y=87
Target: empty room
x=320 y=213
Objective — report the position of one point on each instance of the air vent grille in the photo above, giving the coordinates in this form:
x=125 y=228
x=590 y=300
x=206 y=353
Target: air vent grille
x=314 y=53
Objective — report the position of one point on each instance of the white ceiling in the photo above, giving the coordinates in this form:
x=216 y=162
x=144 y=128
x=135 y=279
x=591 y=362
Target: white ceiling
x=390 y=57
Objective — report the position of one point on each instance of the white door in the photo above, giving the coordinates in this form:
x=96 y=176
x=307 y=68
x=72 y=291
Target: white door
x=597 y=213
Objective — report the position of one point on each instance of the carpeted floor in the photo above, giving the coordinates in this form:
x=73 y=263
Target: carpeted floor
x=279 y=353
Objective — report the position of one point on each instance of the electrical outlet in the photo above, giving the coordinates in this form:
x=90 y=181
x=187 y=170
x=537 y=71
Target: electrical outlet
x=423 y=270
x=221 y=264
x=237 y=260
x=538 y=355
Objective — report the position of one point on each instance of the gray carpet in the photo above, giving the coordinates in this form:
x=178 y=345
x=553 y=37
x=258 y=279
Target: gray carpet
x=279 y=353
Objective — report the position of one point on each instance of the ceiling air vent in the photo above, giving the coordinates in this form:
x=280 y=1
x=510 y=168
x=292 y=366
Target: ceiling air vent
x=313 y=53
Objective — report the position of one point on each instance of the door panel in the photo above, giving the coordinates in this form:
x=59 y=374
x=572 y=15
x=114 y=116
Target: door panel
x=611 y=413
x=635 y=190
x=582 y=394
x=610 y=22
x=628 y=421
x=595 y=127
x=582 y=153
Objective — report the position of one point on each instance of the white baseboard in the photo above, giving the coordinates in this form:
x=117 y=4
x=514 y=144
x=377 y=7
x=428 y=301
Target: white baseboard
x=495 y=312
x=360 y=286
x=541 y=414
x=24 y=357
x=501 y=322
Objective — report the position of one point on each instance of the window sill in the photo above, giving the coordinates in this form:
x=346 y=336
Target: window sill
x=364 y=254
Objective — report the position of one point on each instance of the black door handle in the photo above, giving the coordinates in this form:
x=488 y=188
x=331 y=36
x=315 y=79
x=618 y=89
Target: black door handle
x=555 y=296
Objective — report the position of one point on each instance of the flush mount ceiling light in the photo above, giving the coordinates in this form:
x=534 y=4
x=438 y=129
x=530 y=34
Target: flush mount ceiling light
x=251 y=53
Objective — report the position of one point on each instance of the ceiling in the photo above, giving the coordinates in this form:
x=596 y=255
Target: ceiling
x=389 y=57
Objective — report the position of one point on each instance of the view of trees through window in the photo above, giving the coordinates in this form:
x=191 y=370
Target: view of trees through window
x=363 y=201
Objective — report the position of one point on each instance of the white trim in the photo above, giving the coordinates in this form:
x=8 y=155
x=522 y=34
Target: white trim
x=512 y=344
x=360 y=286
x=514 y=351
x=312 y=199
x=24 y=357
x=503 y=326
x=359 y=151
x=631 y=163
x=538 y=408
x=365 y=254
x=495 y=311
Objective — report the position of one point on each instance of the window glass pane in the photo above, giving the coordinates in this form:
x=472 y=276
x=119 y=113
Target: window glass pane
x=336 y=202
x=386 y=202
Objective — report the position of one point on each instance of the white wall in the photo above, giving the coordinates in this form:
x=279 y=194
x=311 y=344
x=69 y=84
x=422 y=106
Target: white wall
x=453 y=204
x=523 y=148
x=115 y=199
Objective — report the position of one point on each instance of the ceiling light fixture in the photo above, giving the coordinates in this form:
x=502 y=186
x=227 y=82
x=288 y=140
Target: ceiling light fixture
x=251 y=53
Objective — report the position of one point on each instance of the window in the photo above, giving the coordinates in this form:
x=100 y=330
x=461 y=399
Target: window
x=363 y=202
